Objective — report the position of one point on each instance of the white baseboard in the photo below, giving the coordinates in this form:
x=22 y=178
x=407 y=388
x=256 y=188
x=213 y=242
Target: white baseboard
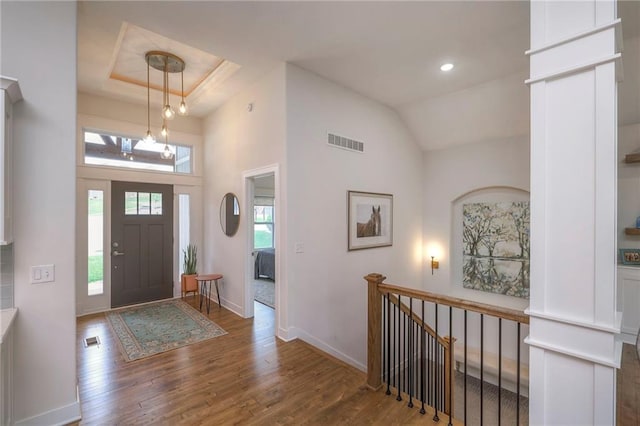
x=627 y=338
x=287 y=335
x=236 y=309
x=58 y=416
x=306 y=337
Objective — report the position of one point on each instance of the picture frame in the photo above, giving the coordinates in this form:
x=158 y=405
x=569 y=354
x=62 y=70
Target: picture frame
x=369 y=219
x=630 y=257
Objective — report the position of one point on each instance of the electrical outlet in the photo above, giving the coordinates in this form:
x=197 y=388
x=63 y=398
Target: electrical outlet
x=43 y=274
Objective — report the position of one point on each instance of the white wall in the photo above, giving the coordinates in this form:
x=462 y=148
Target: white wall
x=494 y=110
x=450 y=174
x=238 y=140
x=39 y=48
x=327 y=291
x=134 y=113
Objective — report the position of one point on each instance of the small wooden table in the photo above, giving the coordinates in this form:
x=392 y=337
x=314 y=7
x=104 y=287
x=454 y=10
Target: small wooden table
x=205 y=288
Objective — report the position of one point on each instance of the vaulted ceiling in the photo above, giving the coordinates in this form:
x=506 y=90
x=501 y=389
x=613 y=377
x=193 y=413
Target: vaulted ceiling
x=388 y=51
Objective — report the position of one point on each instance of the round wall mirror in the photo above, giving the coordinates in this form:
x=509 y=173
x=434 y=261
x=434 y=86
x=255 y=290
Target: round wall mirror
x=230 y=214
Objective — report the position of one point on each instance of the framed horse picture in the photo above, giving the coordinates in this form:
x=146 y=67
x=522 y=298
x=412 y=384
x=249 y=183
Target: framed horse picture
x=370 y=220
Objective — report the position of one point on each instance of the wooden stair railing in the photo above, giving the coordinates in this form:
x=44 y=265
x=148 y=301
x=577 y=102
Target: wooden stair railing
x=380 y=294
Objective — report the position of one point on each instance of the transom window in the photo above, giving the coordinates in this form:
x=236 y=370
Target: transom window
x=107 y=149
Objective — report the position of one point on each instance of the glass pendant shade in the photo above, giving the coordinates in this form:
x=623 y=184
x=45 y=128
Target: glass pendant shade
x=168 y=112
x=167 y=154
x=164 y=131
x=149 y=138
x=183 y=109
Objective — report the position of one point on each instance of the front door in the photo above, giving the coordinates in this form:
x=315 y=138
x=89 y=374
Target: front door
x=141 y=242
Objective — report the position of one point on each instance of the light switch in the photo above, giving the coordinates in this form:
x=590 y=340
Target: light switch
x=43 y=274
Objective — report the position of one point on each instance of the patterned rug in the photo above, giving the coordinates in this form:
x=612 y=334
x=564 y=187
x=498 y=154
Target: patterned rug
x=154 y=328
x=265 y=292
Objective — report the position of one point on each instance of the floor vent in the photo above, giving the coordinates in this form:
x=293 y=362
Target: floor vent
x=91 y=341
x=345 y=143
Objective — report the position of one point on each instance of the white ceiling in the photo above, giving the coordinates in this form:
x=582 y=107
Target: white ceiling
x=388 y=51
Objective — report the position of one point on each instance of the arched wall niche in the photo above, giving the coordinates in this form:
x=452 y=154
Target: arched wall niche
x=492 y=194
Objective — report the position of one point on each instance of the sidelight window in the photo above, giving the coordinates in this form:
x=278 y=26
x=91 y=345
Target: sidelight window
x=95 y=233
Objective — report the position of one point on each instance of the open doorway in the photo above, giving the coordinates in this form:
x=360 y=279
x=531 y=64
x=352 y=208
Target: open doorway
x=261 y=287
x=264 y=249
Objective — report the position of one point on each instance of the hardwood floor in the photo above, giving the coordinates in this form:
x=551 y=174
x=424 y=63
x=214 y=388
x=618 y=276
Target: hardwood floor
x=249 y=377
x=244 y=377
x=628 y=392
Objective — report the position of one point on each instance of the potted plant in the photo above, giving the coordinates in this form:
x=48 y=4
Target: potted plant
x=190 y=271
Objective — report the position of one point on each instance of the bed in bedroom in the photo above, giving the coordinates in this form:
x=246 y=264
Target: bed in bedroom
x=265 y=266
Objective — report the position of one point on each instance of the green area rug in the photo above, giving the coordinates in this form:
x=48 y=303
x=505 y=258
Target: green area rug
x=154 y=328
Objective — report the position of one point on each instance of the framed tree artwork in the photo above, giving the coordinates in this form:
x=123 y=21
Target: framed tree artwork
x=496 y=247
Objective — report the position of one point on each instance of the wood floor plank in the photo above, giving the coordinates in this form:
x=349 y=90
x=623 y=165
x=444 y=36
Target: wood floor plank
x=247 y=377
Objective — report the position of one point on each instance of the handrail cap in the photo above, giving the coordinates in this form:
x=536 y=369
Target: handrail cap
x=374 y=276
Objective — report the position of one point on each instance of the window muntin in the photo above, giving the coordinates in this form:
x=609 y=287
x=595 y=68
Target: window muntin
x=106 y=149
x=142 y=203
x=263 y=226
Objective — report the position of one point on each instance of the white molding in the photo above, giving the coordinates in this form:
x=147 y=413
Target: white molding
x=563 y=320
x=627 y=338
x=228 y=304
x=616 y=23
x=575 y=69
x=308 y=338
x=281 y=292
x=287 y=335
x=58 y=416
x=6 y=320
x=575 y=354
x=12 y=87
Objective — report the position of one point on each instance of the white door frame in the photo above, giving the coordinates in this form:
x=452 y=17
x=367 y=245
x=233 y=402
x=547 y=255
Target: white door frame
x=91 y=304
x=248 y=187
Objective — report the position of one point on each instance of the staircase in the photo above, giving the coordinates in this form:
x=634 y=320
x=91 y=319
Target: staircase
x=412 y=335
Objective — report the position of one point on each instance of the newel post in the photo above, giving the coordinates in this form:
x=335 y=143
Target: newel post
x=374 y=331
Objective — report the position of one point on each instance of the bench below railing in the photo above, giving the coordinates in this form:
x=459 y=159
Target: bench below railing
x=421 y=348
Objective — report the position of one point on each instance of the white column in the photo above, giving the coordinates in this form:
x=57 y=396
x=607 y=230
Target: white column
x=574 y=323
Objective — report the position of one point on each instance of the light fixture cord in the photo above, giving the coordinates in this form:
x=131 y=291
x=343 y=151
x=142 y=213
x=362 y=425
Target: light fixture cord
x=148 y=101
x=182 y=84
x=166 y=77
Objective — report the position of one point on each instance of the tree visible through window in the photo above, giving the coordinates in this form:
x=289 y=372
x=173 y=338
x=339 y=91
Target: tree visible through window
x=262 y=227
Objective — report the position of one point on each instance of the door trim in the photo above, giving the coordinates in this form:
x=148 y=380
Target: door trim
x=281 y=308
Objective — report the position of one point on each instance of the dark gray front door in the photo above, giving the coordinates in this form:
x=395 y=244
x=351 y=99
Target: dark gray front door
x=141 y=242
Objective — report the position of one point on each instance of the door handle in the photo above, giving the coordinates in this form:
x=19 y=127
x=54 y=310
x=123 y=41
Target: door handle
x=117 y=253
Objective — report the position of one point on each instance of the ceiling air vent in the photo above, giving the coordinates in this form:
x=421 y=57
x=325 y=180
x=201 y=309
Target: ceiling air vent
x=345 y=143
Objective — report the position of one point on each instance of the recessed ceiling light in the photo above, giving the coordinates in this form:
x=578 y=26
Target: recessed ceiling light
x=446 y=67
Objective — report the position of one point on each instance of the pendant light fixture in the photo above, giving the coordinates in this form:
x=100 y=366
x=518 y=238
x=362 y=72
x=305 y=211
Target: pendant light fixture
x=167 y=63
x=166 y=153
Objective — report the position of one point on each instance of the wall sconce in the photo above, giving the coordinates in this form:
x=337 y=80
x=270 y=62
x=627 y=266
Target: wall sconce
x=434 y=264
